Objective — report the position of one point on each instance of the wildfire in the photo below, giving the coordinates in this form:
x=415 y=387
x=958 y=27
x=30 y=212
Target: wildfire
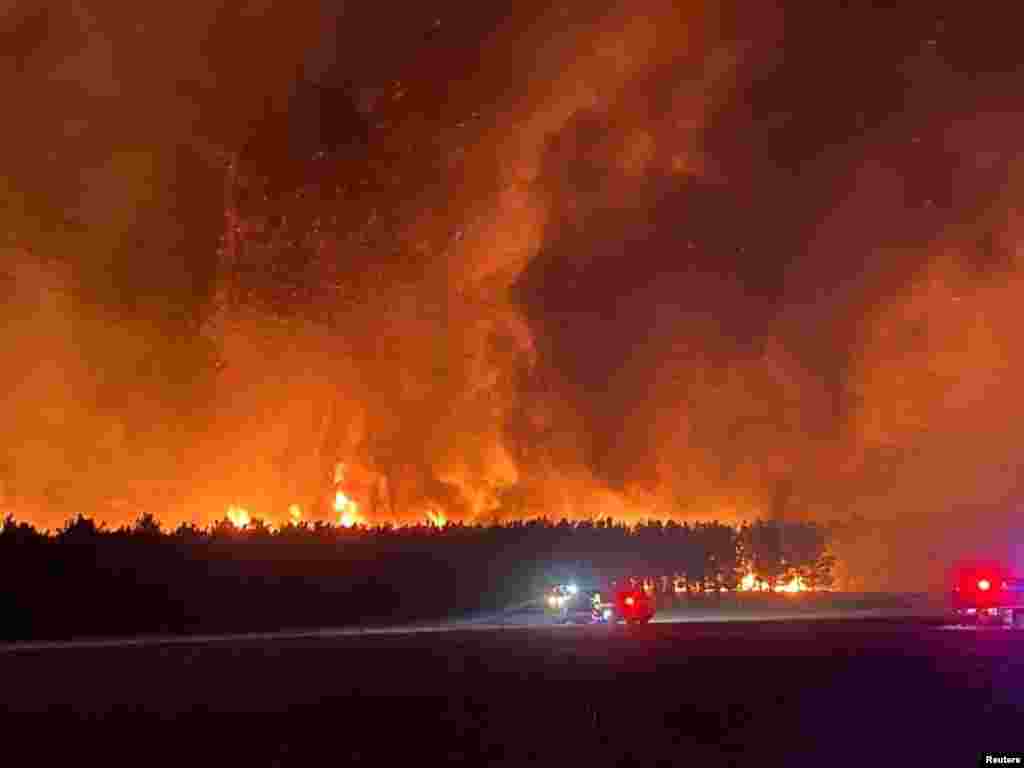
x=295 y=512
x=751 y=583
x=348 y=511
x=795 y=584
x=238 y=516
x=437 y=518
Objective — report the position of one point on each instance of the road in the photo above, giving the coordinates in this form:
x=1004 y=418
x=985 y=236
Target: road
x=529 y=614
x=878 y=690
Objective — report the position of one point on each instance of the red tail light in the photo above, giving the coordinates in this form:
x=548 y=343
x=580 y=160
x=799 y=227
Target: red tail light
x=984 y=585
x=630 y=600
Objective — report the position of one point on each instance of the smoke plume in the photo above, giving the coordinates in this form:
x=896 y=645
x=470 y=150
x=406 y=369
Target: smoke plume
x=654 y=260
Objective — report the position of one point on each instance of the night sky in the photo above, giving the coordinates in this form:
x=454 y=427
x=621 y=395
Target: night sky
x=512 y=259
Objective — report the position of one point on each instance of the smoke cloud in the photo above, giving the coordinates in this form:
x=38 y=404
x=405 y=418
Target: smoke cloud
x=588 y=260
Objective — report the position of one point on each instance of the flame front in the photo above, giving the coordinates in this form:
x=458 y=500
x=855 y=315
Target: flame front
x=794 y=584
x=437 y=518
x=295 y=512
x=238 y=516
x=748 y=583
x=348 y=511
x=752 y=583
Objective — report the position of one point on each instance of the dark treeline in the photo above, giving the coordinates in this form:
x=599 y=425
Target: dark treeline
x=88 y=580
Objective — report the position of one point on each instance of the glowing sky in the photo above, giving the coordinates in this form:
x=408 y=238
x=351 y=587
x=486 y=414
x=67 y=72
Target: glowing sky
x=639 y=258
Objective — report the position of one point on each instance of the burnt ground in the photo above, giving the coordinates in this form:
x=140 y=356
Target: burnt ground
x=796 y=692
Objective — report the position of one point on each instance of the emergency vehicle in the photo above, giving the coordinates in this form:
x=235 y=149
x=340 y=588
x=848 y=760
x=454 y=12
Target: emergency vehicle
x=987 y=594
x=632 y=602
x=561 y=601
x=625 y=602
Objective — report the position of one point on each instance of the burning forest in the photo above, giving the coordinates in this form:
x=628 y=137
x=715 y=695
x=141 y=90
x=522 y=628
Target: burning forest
x=243 y=574
x=640 y=261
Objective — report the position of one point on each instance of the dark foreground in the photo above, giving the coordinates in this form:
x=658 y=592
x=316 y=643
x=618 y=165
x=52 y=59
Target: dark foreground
x=811 y=692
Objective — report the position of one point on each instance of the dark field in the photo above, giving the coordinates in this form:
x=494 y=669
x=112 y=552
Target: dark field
x=802 y=692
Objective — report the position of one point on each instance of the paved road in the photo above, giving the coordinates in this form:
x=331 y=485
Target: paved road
x=912 y=608
x=810 y=691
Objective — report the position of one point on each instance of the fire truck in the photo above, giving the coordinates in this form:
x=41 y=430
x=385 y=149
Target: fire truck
x=987 y=595
x=626 y=602
x=632 y=603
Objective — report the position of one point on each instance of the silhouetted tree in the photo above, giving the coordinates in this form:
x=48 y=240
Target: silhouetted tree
x=147 y=525
x=85 y=579
x=763 y=546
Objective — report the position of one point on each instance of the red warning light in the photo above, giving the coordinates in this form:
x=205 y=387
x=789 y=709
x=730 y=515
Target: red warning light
x=630 y=601
x=984 y=585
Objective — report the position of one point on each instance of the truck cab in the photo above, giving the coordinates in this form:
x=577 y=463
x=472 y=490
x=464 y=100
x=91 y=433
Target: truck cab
x=570 y=604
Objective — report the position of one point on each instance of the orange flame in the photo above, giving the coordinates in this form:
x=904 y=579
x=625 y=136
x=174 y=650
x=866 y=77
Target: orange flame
x=794 y=584
x=348 y=511
x=239 y=517
x=437 y=518
x=749 y=583
x=295 y=512
x=753 y=583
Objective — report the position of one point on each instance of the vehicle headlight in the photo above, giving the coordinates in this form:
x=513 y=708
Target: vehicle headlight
x=553 y=601
x=573 y=589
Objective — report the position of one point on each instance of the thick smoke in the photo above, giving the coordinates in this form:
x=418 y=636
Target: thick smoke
x=438 y=349
x=118 y=122
x=588 y=260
